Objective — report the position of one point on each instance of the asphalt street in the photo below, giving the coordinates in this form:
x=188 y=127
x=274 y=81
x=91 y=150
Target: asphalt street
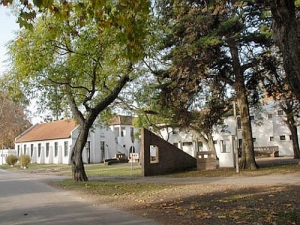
x=26 y=199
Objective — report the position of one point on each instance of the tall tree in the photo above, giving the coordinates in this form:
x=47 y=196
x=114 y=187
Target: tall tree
x=210 y=39
x=86 y=55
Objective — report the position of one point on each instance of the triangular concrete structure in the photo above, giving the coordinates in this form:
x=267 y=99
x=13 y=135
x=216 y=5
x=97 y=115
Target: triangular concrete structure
x=159 y=157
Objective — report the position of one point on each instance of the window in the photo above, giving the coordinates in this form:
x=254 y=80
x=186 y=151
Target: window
x=55 y=149
x=187 y=143
x=24 y=149
x=282 y=137
x=31 y=150
x=66 y=150
x=123 y=132
x=132 y=134
x=154 y=151
x=270 y=116
x=47 y=149
x=225 y=146
x=18 y=153
x=271 y=138
x=39 y=149
x=200 y=146
x=280 y=112
x=132 y=149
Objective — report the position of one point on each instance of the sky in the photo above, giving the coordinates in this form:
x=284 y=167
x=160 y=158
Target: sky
x=7 y=26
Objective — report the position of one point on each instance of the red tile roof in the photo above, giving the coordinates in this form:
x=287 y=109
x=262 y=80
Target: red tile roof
x=48 y=131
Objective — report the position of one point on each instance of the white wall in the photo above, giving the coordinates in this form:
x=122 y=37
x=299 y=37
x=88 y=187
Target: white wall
x=38 y=153
x=105 y=143
x=4 y=153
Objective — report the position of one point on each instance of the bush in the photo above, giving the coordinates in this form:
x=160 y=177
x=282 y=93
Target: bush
x=25 y=160
x=11 y=160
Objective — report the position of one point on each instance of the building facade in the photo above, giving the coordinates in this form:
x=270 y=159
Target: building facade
x=52 y=143
x=268 y=130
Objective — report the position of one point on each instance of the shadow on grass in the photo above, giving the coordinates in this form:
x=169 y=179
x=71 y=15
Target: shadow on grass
x=271 y=205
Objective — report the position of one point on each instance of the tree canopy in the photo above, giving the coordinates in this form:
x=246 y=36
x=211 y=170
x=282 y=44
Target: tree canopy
x=84 y=62
x=13 y=120
x=82 y=54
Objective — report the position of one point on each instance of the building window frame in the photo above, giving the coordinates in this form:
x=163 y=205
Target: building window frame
x=47 y=149
x=66 y=148
x=55 y=149
x=282 y=138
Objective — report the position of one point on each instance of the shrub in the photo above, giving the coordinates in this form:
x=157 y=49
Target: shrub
x=11 y=160
x=25 y=160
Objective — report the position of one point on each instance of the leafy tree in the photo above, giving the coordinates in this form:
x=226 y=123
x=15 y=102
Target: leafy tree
x=199 y=113
x=215 y=40
x=286 y=34
x=13 y=120
x=85 y=56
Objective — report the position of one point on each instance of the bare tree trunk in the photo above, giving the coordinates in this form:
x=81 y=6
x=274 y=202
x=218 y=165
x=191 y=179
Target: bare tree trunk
x=247 y=159
x=295 y=142
x=287 y=36
x=294 y=135
x=87 y=121
x=211 y=145
x=78 y=171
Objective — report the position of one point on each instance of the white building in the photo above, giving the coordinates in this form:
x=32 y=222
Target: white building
x=53 y=142
x=269 y=130
x=185 y=140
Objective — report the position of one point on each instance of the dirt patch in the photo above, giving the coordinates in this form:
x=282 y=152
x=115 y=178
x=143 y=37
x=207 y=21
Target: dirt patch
x=216 y=204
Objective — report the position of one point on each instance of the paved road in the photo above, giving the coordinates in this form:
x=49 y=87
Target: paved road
x=26 y=200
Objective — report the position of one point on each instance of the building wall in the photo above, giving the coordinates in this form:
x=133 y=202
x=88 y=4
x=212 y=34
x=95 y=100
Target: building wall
x=47 y=152
x=102 y=144
x=272 y=131
x=269 y=130
x=187 y=142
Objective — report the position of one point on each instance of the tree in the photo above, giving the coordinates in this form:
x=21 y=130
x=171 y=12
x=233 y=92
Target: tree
x=220 y=40
x=286 y=34
x=276 y=85
x=86 y=55
x=13 y=120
